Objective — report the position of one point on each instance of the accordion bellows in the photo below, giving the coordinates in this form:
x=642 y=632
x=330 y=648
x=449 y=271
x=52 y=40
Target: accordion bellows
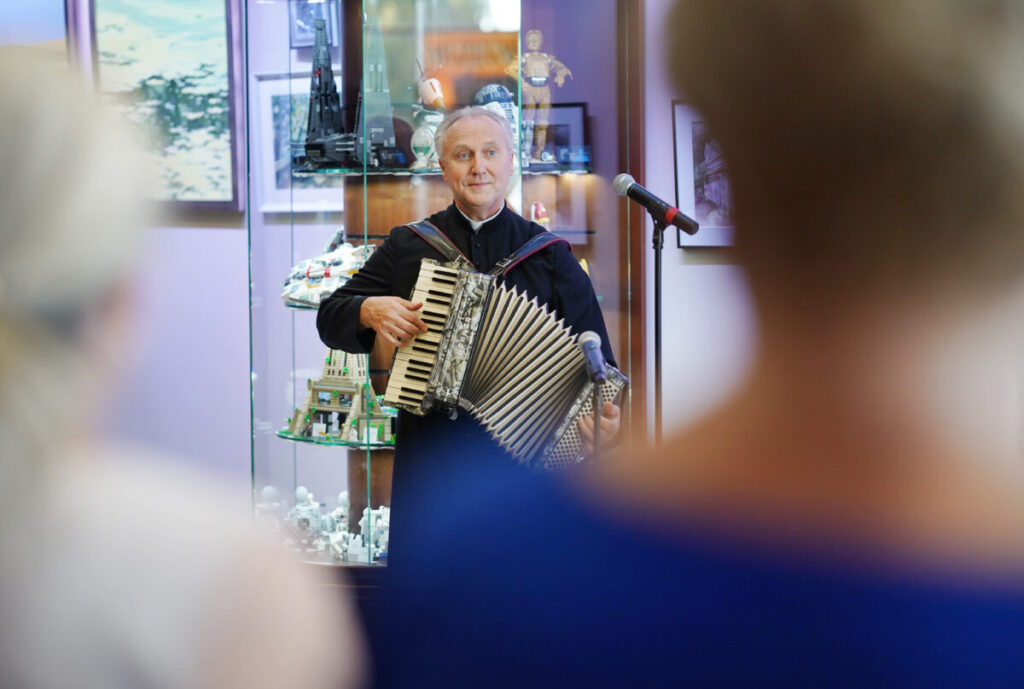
x=503 y=358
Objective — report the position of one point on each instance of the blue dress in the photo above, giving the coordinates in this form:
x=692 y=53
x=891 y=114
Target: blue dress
x=515 y=580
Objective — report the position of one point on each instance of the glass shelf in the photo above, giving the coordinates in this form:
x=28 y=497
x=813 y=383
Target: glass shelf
x=370 y=172
x=336 y=441
x=538 y=169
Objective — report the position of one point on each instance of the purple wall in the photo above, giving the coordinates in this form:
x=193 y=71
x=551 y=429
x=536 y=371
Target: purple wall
x=186 y=387
x=708 y=328
x=24 y=23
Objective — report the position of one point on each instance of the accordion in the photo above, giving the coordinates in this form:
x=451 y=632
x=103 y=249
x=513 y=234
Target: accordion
x=503 y=358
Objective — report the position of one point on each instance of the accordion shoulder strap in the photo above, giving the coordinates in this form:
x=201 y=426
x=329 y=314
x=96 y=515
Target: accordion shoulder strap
x=438 y=240
x=532 y=246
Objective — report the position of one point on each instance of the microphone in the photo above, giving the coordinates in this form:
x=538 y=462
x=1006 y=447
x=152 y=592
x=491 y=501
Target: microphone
x=625 y=185
x=590 y=343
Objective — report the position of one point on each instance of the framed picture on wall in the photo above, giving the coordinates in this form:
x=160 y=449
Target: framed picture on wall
x=281 y=115
x=169 y=73
x=703 y=191
x=567 y=134
x=302 y=15
x=565 y=139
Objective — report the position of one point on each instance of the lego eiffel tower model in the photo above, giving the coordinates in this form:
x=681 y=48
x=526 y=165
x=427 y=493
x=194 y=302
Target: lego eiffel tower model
x=341 y=406
x=375 y=128
x=327 y=143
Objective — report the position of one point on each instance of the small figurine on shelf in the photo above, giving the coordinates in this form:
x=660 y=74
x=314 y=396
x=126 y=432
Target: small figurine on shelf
x=431 y=95
x=537 y=71
x=338 y=543
x=539 y=214
x=357 y=550
x=427 y=114
x=499 y=99
x=268 y=509
x=304 y=523
x=340 y=513
x=375 y=526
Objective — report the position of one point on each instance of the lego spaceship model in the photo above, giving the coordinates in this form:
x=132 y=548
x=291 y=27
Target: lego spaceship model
x=315 y=278
x=326 y=143
x=372 y=142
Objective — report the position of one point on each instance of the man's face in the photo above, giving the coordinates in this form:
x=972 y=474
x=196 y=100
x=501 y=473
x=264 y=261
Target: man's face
x=477 y=163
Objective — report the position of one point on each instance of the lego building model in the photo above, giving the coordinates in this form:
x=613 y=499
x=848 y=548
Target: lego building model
x=315 y=278
x=341 y=407
x=304 y=523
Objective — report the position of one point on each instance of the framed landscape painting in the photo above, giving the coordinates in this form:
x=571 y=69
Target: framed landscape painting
x=167 y=66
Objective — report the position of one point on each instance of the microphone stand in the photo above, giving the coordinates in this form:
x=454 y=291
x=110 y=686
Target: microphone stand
x=659 y=244
x=598 y=408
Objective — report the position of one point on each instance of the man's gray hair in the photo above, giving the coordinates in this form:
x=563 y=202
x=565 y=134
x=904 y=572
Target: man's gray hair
x=472 y=111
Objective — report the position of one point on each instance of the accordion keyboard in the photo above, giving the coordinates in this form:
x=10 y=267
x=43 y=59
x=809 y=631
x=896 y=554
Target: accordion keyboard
x=414 y=362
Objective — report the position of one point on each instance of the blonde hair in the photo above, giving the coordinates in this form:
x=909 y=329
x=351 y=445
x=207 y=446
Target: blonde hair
x=71 y=212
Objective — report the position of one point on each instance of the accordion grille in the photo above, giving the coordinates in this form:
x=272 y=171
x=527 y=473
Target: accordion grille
x=524 y=373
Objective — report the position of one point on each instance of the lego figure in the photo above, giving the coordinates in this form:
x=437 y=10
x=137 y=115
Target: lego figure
x=375 y=526
x=340 y=513
x=500 y=100
x=305 y=522
x=427 y=114
x=537 y=71
x=267 y=510
x=357 y=550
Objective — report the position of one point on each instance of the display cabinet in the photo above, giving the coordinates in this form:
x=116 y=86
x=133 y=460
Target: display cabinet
x=342 y=96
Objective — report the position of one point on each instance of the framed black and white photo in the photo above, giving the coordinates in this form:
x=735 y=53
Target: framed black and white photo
x=281 y=111
x=302 y=15
x=703 y=191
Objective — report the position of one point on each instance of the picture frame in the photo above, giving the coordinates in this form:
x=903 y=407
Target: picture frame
x=172 y=75
x=703 y=191
x=302 y=14
x=281 y=106
x=566 y=139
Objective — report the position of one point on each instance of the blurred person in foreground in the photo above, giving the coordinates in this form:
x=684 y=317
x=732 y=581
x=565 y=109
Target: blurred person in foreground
x=854 y=514
x=116 y=568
